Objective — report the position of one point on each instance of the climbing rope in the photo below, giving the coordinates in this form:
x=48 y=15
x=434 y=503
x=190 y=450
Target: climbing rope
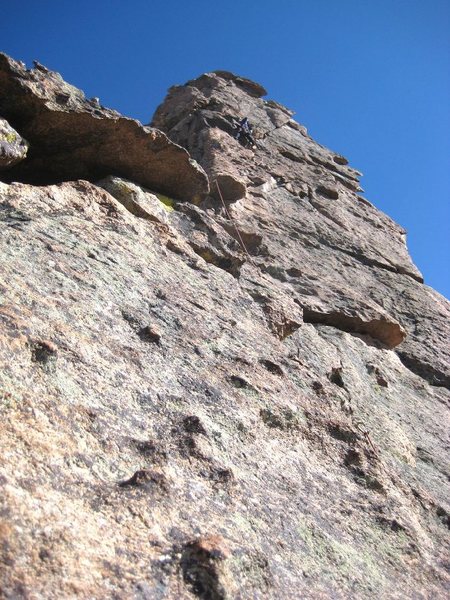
x=241 y=241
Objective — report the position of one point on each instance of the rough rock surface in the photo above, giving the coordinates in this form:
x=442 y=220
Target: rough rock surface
x=332 y=251
x=13 y=148
x=72 y=137
x=184 y=419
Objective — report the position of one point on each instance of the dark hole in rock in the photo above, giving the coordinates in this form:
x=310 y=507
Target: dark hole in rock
x=131 y=317
x=271 y=419
x=294 y=272
x=149 y=334
x=272 y=367
x=317 y=386
x=328 y=192
x=443 y=516
x=145 y=479
x=230 y=264
x=192 y=424
x=202 y=569
x=382 y=381
x=44 y=351
x=188 y=447
x=336 y=377
x=239 y=382
x=62 y=98
x=353 y=457
x=44 y=554
x=392 y=524
x=342 y=433
x=340 y=160
x=374 y=370
x=365 y=479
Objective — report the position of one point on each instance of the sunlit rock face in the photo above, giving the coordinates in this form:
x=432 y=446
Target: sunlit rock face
x=334 y=253
x=233 y=393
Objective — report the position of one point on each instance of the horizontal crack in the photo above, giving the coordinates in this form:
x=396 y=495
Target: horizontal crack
x=370 y=262
x=424 y=370
x=389 y=333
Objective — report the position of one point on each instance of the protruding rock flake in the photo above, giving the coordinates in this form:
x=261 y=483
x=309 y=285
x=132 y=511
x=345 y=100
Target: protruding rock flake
x=221 y=374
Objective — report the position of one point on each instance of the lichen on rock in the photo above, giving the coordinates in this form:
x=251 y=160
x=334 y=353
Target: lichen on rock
x=13 y=148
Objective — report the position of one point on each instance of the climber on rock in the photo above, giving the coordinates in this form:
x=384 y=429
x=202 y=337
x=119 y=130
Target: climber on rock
x=244 y=133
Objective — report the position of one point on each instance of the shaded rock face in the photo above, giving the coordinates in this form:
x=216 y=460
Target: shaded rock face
x=72 y=137
x=183 y=418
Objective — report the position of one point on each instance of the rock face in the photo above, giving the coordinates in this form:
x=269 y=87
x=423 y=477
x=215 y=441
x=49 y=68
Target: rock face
x=332 y=251
x=238 y=400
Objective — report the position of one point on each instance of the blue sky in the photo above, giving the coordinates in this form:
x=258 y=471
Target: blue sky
x=370 y=79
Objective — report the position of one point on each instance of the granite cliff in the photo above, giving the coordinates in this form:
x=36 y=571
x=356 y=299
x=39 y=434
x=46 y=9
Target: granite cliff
x=222 y=375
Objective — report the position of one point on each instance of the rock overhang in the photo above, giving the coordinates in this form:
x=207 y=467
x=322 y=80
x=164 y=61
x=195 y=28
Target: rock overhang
x=75 y=138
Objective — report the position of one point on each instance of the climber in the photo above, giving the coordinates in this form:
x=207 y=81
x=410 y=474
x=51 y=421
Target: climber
x=244 y=133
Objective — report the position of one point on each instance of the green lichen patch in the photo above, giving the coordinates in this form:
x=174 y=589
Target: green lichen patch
x=10 y=137
x=285 y=419
x=168 y=203
x=342 y=561
x=10 y=398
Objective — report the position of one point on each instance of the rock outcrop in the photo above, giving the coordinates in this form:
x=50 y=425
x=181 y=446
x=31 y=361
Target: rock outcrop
x=246 y=399
x=333 y=252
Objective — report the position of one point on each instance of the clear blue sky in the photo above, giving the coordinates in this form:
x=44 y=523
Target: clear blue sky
x=370 y=79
